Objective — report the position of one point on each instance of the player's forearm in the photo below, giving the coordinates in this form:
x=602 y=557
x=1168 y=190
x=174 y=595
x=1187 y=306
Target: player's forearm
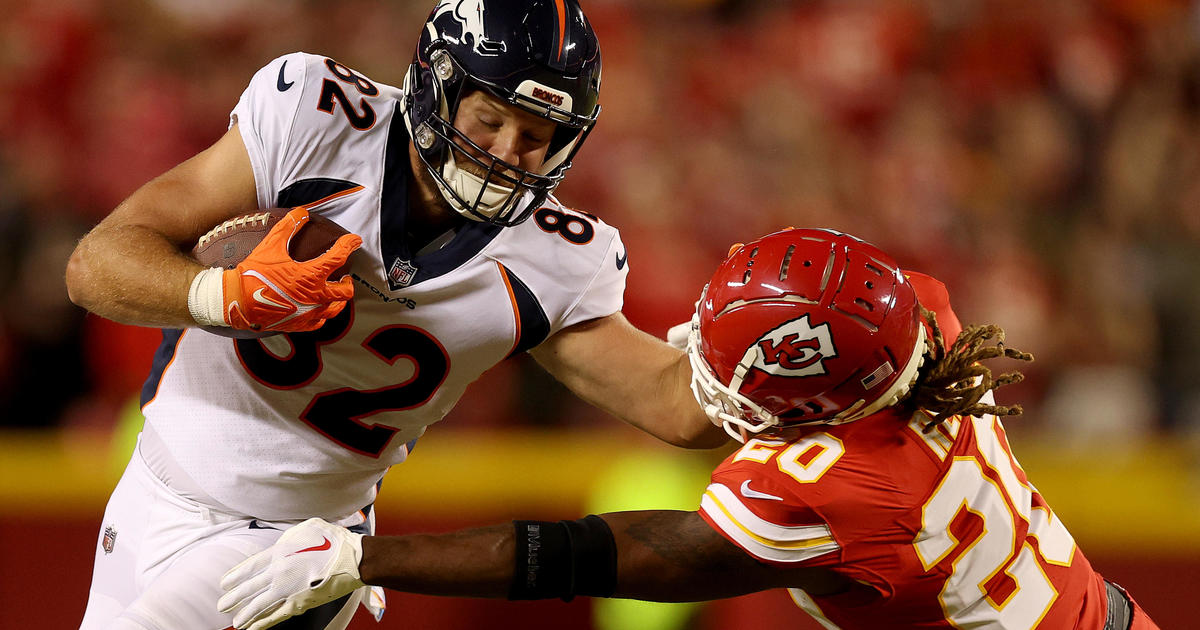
x=694 y=428
x=661 y=555
x=130 y=268
x=470 y=563
x=133 y=275
x=631 y=375
x=673 y=556
x=661 y=402
x=657 y=555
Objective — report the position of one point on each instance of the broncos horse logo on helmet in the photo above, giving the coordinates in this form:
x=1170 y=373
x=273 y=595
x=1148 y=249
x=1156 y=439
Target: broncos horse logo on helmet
x=539 y=55
x=470 y=14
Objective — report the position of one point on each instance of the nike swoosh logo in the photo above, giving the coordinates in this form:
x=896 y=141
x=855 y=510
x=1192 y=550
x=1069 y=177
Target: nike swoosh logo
x=263 y=299
x=281 y=84
x=621 y=260
x=750 y=493
x=321 y=547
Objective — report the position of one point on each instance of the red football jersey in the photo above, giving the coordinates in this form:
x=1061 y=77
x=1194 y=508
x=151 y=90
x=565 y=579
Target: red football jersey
x=943 y=526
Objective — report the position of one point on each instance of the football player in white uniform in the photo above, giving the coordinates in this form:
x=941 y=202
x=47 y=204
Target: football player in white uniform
x=460 y=257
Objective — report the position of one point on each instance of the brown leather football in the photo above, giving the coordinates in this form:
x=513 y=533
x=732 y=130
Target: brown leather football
x=229 y=243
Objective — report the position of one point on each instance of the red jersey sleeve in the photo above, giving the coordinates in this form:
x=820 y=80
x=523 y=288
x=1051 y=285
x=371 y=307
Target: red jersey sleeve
x=933 y=295
x=757 y=509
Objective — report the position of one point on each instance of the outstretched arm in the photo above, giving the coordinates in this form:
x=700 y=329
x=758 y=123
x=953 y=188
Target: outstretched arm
x=660 y=556
x=671 y=556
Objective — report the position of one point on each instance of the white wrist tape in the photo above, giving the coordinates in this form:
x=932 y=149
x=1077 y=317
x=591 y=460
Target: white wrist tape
x=206 y=298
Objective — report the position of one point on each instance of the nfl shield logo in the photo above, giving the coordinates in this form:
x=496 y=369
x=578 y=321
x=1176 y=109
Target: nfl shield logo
x=110 y=539
x=401 y=274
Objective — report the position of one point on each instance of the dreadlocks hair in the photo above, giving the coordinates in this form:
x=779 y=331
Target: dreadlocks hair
x=953 y=380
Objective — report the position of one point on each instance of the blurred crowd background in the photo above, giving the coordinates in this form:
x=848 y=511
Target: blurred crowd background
x=1041 y=158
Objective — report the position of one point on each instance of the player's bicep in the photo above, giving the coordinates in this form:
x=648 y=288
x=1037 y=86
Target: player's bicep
x=672 y=542
x=183 y=203
x=668 y=555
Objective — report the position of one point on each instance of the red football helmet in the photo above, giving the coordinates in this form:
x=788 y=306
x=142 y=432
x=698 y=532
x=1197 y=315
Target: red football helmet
x=804 y=326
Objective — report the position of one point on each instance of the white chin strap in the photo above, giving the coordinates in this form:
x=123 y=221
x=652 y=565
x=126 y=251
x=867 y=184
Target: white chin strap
x=468 y=186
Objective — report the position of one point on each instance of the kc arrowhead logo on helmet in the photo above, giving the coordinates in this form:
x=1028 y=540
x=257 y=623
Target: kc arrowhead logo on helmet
x=797 y=348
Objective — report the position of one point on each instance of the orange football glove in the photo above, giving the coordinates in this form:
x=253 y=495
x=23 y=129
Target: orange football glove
x=271 y=292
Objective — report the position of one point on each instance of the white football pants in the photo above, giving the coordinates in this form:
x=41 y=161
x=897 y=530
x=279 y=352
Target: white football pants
x=160 y=558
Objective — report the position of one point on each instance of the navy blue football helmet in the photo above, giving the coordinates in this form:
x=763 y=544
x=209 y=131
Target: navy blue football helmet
x=539 y=55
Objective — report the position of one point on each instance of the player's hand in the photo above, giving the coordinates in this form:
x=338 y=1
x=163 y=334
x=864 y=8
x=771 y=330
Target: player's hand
x=313 y=563
x=677 y=335
x=269 y=291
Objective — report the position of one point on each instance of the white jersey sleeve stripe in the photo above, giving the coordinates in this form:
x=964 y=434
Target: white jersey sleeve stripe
x=784 y=535
x=761 y=538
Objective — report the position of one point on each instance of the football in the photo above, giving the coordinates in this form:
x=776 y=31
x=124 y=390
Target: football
x=229 y=243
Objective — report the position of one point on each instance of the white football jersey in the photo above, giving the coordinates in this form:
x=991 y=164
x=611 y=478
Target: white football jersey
x=300 y=425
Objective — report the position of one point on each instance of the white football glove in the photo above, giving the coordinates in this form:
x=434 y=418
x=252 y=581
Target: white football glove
x=677 y=335
x=313 y=563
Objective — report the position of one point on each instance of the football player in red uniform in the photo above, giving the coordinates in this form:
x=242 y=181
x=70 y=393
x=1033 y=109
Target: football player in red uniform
x=875 y=482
